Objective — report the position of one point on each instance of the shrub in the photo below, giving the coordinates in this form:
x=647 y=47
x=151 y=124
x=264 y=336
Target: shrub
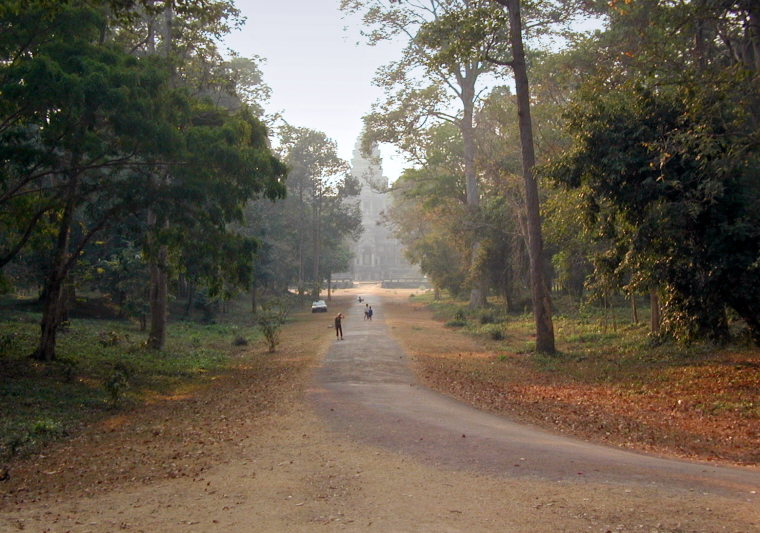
x=487 y=317
x=118 y=382
x=7 y=340
x=493 y=331
x=110 y=338
x=67 y=367
x=455 y=323
x=240 y=341
x=270 y=320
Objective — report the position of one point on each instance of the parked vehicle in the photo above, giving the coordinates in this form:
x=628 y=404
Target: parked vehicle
x=318 y=306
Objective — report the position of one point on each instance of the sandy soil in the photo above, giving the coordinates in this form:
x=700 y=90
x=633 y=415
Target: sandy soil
x=249 y=454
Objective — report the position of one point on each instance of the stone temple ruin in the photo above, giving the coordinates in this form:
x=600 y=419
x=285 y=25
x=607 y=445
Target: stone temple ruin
x=378 y=255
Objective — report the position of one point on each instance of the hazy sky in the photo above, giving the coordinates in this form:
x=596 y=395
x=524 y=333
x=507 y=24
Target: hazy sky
x=320 y=77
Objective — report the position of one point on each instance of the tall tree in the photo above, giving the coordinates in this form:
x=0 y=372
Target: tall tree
x=429 y=212
x=542 y=306
x=88 y=128
x=663 y=135
x=318 y=186
x=424 y=85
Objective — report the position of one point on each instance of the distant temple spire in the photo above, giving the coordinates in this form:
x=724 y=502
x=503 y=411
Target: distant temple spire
x=378 y=255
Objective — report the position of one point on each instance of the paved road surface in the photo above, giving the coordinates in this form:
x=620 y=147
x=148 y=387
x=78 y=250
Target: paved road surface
x=366 y=390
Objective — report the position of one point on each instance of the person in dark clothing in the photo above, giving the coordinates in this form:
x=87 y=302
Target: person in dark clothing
x=369 y=312
x=338 y=326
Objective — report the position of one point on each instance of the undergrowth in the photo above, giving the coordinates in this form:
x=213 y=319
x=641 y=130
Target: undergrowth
x=101 y=365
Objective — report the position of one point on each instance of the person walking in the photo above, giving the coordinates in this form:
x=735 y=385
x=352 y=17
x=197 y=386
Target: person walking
x=369 y=312
x=339 y=326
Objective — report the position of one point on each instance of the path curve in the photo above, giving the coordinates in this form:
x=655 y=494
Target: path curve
x=365 y=389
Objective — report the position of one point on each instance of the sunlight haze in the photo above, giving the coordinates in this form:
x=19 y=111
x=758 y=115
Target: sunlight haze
x=318 y=67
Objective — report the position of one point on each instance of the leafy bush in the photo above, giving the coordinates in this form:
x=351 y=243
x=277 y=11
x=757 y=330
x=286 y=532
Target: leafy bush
x=67 y=367
x=270 y=320
x=109 y=338
x=487 y=317
x=118 y=382
x=24 y=437
x=7 y=341
x=240 y=341
x=493 y=331
x=455 y=323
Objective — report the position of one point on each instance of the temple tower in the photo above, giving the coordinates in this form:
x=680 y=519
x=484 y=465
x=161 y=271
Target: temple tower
x=378 y=255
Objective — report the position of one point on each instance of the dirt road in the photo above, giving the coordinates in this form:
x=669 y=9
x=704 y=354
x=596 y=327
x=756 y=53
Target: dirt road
x=352 y=443
x=366 y=389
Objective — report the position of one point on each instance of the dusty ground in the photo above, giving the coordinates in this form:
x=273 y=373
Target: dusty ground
x=664 y=411
x=247 y=454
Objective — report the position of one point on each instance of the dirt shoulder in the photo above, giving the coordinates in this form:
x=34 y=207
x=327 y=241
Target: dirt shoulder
x=664 y=412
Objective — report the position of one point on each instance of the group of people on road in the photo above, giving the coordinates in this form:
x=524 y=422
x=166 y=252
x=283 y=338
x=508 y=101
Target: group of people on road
x=339 y=319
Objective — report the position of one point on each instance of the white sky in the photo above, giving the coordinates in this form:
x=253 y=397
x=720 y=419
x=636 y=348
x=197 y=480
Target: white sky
x=320 y=77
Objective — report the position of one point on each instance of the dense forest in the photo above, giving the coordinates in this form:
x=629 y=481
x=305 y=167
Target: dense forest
x=137 y=164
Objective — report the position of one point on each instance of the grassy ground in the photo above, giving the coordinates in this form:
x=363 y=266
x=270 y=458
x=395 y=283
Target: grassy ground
x=608 y=382
x=103 y=366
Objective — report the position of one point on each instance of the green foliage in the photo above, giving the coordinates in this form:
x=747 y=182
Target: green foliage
x=304 y=238
x=270 y=320
x=117 y=382
x=486 y=317
x=494 y=332
x=684 y=189
x=89 y=378
x=94 y=134
x=240 y=341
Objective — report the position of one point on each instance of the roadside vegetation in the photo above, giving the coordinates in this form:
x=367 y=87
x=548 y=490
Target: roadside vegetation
x=609 y=381
x=104 y=367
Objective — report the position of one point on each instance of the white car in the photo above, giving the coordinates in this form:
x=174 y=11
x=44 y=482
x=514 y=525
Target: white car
x=319 y=306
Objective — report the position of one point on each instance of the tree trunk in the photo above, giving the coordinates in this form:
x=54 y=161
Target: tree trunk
x=159 y=275
x=329 y=286
x=634 y=309
x=158 y=299
x=301 y=237
x=254 y=303
x=190 y=297
x=542 y=308
x=53 y=294
x=754 y=34
x=656 y=321
x=51 y=320
x=317 y=243
x=477 y=293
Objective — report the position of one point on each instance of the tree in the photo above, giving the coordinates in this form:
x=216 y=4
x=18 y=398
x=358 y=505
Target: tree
x=429 y=212
x=76 y=155
x=663 y=157
x=681 y=174
x=542 y=308
x=86 y=128
x=186 y=35
x=424 y=84
x=316 y=180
